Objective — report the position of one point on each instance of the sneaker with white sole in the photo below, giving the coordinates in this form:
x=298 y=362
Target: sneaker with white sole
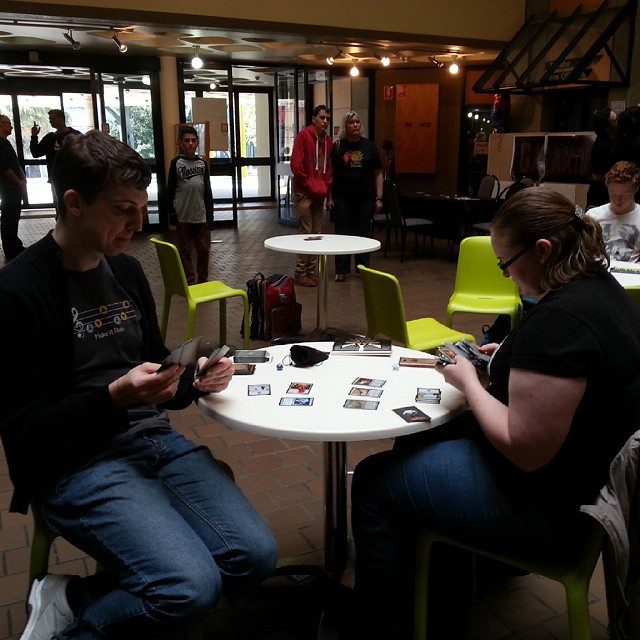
x=49 y=610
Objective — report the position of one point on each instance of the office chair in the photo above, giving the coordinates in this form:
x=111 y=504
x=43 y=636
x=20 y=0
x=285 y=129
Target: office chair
x=386 y=315
x=480 y=286
x=175 y=283
x=397 y=220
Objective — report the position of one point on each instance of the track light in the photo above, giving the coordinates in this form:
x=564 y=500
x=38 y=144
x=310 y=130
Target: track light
x=354 y=71
x=69 y=38
x=453 y=67
x=435 y=62
x=196 y=61
x=331 y=59
x=122 y=48
x=384 y=60
x=213 y=86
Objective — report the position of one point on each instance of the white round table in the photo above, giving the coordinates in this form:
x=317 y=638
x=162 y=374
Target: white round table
x=327 y=420
x=626 y=273
x=322 y=245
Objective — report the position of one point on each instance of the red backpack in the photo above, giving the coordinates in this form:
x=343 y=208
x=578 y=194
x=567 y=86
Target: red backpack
x=273 y=307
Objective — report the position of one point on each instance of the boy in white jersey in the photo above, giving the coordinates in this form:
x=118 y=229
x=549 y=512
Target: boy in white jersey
x=190 y=200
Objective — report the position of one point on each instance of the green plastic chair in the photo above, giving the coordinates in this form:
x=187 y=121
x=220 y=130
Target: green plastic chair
x=385 y=315
x=574 y=577
x=175 y=283
x=480 y=286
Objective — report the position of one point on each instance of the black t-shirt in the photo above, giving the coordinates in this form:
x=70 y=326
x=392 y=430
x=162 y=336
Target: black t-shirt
x=589 y=329
x=353 y=165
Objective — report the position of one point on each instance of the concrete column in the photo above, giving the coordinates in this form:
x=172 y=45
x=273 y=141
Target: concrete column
x=169 y=105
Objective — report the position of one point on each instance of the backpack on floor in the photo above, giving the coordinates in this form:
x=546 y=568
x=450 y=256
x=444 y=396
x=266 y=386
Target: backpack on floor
x=272 y=307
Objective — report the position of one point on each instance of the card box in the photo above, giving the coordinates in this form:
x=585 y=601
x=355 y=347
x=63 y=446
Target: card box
x=243 y=356
x=353 y=345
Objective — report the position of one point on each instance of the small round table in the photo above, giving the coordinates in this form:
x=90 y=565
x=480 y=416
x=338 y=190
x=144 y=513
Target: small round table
x=327 y=420
x=322 y=245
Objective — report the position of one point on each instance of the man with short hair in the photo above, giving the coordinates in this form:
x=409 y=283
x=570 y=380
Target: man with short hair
x=51 y=143
x=311 y=169
x=620 y=219
x=92 y=444
x=13 y=189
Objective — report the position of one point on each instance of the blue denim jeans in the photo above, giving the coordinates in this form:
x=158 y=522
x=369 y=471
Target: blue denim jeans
x=441 y=479
x=169 y=526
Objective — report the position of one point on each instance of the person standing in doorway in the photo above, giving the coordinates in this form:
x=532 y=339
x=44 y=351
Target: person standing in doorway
x=13 y=189
x=51 y=143
x=311 y=168
x=191 y=202
x=357 y=187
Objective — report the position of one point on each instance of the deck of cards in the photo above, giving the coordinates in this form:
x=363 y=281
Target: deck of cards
x=428 y=395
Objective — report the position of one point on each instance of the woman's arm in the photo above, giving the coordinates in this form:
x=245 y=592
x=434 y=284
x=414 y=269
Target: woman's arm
x=531 y=430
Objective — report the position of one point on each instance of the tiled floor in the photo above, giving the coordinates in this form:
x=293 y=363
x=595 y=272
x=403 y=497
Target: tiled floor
x=283 y=478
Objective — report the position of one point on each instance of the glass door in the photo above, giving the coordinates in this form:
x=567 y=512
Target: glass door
x=254 y=143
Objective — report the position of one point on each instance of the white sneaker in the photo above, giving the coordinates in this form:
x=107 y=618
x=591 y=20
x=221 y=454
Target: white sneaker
x=49 y=610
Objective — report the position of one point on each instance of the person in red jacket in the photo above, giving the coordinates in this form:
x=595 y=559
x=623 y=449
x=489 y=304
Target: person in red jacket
x=311 y=168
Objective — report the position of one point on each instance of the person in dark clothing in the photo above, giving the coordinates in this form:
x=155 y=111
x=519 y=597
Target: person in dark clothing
x=357 y=187
x=51 y=143
x=94 y=446
x=604 y=126
x=13 y=189
x=627 y=144
x=511 y=474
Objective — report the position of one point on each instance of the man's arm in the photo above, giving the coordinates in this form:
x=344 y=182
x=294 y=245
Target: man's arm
x=208 y=195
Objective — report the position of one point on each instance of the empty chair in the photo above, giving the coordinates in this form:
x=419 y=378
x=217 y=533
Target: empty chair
x=488 y=188
x=396 y=220
x=481 y=212
x=175 y=283
x=386 y=315
x=505 y=194
x=480 y=286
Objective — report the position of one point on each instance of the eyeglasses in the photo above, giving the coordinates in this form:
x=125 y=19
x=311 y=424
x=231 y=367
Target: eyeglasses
x=503 y=266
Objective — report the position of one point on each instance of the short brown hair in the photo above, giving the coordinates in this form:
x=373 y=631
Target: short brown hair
x=622 y=173
x=577 y=244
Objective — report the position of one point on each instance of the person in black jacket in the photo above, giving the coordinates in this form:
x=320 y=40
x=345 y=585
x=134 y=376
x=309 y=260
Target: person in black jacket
x=52 y=141
x=84 y=424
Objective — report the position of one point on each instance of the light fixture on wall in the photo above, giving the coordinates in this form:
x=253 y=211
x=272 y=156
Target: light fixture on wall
x=122 y=48
x=354 y=71
x=331 y=59
x=453 y=67
x=196 y=61
x=69 y=38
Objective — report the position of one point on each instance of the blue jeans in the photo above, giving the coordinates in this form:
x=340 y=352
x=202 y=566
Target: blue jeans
x=171 y=529
x=440 y=479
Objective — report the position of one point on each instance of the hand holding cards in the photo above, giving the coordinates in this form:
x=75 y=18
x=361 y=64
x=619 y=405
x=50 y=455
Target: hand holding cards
x=216 y=355
x=185 y=354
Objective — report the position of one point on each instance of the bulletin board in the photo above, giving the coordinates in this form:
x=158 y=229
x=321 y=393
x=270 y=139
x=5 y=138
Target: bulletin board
x=416 y=128
x=213 y=111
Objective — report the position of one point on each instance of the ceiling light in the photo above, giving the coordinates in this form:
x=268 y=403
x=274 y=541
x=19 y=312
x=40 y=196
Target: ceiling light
x=354 y=71
x=69 y=38
x=196 y=61
x=435 y=62
x=385 y=60
x=121 y=47
x=331 y=59
x=146 y=81
x=213 y=86
x=453 y=67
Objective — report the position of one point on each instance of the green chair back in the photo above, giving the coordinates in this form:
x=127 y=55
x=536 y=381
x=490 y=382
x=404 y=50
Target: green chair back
x=480 y=286
x=384 y=305
x=175 y=281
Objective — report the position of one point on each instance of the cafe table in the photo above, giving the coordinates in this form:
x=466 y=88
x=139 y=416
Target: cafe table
x=322 y=416
x=626 y=273
x=322 y=245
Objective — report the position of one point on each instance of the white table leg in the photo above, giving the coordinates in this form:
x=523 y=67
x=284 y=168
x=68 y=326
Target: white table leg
x=321 y=318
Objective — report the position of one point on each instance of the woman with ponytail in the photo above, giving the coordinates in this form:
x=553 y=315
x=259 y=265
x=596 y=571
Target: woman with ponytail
x=559 y=401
